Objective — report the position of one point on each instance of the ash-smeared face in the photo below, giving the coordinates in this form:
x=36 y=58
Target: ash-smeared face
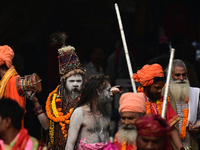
x=74 y=85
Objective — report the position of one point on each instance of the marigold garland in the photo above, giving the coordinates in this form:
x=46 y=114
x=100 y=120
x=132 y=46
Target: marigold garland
x=51 y=135
x=56 y=114
x=125 y=146
x=159 y=103
x=185 y=118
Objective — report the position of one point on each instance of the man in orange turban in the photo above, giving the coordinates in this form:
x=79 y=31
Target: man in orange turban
x=132 y=107
x=151 y=78
x=8 y=76
x=153 y=133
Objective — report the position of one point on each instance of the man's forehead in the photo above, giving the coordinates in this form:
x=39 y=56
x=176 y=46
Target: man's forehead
x=75 y=77
x=128 y=114
x=179 y=69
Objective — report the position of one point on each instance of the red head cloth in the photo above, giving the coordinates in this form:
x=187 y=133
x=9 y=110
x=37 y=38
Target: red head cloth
x=153 y=125
x=6 y=55
x=132 y=102
x=147 y=73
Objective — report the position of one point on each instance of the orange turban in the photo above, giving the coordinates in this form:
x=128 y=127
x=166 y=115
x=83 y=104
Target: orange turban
x=6 y=55
x=132 y=102
x=147 y=73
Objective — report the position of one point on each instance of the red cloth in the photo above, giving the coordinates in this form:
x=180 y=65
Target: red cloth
x=154 y=125
x=6 y=55
x=21 y=141
x=147 y=73
x=171 y=116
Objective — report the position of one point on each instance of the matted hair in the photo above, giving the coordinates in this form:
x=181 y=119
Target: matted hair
x=94 y=84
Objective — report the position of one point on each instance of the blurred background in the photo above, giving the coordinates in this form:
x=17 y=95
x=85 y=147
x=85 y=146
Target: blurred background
x=151 y=27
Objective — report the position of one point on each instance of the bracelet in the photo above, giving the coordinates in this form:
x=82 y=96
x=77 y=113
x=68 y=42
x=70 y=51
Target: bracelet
x=37 y=108
x=185 y=148
x=39 y=113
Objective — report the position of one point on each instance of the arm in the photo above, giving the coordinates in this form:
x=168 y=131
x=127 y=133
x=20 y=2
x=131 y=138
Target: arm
x=196 y=127
x=41 y=117
x=176 y=138
x=76 y=121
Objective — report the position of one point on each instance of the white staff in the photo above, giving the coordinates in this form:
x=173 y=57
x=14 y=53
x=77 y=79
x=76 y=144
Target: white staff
x=169 y=72
x=125 y=48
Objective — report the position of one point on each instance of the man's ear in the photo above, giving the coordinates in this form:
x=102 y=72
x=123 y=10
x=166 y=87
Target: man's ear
x=8 y=122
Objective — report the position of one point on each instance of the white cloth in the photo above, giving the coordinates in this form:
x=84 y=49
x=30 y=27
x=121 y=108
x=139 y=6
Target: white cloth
x=193 y=104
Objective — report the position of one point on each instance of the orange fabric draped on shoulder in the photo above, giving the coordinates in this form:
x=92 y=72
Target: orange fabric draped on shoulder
x=147 y=73
x=11 y=92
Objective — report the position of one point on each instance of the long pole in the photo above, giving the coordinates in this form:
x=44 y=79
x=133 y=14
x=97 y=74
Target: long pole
x=169 y=72
x=125 y=48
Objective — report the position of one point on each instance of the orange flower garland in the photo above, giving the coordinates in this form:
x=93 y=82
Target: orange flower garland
x=124 y=146
x=159 y=103
x=185 y=118
x=55 y=114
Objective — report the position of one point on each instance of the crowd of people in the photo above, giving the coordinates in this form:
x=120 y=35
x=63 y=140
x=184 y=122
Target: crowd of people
x=77 y=113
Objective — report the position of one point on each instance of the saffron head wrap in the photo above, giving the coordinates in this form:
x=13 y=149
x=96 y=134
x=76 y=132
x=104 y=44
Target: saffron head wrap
x=153 y=125
x=6 y=55
x=132 y=102
x=147 y=73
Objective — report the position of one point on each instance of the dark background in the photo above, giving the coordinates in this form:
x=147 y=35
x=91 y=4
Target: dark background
x=26 y=27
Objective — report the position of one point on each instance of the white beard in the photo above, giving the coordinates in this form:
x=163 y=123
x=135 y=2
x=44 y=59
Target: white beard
x=180 y=91
x=127 y=135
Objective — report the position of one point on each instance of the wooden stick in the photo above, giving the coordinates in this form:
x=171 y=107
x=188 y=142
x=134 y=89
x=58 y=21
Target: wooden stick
x=169 y=72
x=125 y=48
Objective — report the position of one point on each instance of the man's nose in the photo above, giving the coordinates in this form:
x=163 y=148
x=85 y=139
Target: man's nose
x=181 y=77
x=159 y=90
x=75 y=84
x=126 y=122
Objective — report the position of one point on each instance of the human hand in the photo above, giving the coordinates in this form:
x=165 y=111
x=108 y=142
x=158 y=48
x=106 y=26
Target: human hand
x=116 y=89
x=193 y=128
x=31 y=95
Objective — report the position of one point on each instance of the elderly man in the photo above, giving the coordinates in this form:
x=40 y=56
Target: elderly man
x=153 y=133
x=12 y=135
x=131 y=108
x=185 y=101
x=61 y=102
x=89 y=122
x=152 y=81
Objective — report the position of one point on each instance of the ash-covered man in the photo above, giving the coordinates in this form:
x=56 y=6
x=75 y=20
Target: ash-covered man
x=61 y=102
x=151 y=78
x=131 y=108
x=89 y=122
x=185 y=101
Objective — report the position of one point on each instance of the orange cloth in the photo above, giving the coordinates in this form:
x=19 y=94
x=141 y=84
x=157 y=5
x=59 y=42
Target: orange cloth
x=132 y=102
x=6 y=55
x=147 y=73
x=11 y=92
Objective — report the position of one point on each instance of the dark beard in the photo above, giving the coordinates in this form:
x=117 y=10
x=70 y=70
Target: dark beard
x=104 y=106
x=151 y=97
x=74 y=94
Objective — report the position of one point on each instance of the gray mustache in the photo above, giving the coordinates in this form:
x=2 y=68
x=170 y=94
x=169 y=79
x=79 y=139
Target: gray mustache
x=130 y=126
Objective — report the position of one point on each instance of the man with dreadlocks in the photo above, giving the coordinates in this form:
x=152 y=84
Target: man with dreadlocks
x=89 y=122
x=63 y=99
